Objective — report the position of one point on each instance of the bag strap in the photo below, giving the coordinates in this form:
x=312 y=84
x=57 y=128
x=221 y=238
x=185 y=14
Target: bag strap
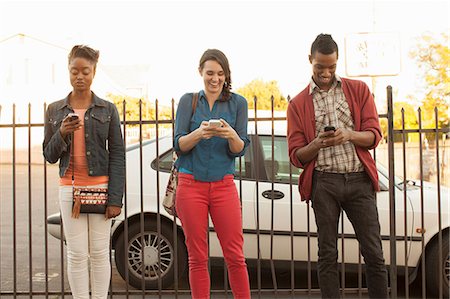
x=72 y=159
x=194 y=101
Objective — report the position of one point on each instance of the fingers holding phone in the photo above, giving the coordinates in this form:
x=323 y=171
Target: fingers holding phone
x=70 y=124
x=326 y=136
x=214 y=123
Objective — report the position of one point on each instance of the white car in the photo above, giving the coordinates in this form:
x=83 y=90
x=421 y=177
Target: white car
x=263 y=197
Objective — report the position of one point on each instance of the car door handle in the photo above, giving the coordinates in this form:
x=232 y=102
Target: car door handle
x=273 y=194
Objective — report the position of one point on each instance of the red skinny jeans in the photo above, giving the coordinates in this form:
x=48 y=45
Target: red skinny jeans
x=194 y=200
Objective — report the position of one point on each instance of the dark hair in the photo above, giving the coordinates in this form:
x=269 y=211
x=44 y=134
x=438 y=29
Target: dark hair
x=82 y=51
x=220 y=58
x=324 y=44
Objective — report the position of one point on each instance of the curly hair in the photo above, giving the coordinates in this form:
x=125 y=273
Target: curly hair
x=220 y=58
x=83 y=51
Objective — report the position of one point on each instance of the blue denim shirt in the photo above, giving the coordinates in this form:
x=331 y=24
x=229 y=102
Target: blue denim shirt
x=211 y=159
x=105 y=151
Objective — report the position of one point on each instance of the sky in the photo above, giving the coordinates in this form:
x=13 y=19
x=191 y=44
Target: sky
x=268 y=40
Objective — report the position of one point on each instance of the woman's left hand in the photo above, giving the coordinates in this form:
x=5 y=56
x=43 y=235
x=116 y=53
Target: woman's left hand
x=112 y=211
x=225 y=131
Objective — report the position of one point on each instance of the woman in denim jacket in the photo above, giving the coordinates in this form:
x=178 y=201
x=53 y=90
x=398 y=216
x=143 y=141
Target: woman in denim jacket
x=89 y=147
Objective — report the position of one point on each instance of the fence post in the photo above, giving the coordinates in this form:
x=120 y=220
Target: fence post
x=392 y=232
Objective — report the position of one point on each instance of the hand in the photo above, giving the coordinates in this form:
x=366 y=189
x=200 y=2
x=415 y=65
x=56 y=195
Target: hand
x=112 y=211
x=76 y=208
x=225 y=131
x=332 y=138
x=205 y=131
x=69 y=126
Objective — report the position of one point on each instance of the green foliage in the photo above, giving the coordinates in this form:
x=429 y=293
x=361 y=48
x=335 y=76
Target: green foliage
x=433 y=57
x=263 y=91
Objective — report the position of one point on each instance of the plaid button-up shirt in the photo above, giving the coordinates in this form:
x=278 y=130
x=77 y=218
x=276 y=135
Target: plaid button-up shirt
x=331 y=109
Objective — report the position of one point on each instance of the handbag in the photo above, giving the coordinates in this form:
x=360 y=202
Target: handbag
x=169 y=197
x=171 y=189
x=92 y=200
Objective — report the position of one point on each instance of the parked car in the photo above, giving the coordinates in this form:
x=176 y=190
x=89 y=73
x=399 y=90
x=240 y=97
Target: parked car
x=267 y=184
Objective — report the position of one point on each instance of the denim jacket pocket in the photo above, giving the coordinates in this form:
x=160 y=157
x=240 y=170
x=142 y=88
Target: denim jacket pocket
x=101 y=124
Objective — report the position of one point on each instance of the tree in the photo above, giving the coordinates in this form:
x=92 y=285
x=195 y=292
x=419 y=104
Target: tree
x=263 y=91
x=132 y=108
x=410 y=119
x=410 y=116
x=432 y=55
x=148 y=112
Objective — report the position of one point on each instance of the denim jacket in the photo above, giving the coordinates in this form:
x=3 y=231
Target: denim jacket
x=105 y=150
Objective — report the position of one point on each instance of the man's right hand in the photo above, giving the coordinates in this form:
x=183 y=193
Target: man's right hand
x=310 y=151
x=322 y=139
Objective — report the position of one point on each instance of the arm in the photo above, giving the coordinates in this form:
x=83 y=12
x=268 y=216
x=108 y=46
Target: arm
x=54 y=144
x=367 y=131
x=237 y=136
x=363 y=139
x=185 y=140
x=236 y=144
x=307 y=153
x=116 y=170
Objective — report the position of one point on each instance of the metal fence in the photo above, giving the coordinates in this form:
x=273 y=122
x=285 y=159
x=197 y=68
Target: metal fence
x=148 y=249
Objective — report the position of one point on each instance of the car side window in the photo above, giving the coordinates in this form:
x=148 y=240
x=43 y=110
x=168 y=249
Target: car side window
x=165 y=161
x=278 y=169
x=243 y=165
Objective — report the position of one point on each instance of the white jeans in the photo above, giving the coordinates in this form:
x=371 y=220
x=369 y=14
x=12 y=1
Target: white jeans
x=88 y=239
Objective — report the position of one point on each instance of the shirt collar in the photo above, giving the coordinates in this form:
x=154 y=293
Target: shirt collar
x=201 y=94
x=314 y=87
x=96 y=101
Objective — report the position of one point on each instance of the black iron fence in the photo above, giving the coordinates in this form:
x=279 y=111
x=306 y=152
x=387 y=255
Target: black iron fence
x=148 y=255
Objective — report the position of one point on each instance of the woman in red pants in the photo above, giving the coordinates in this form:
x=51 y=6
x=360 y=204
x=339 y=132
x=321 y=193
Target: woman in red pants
x=207 y=140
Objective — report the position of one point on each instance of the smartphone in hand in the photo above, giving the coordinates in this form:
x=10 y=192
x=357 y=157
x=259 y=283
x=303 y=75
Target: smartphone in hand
x=72 y=116
x=215 y=123
x=329 y=128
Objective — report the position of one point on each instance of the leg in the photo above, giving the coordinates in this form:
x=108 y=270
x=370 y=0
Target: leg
x=327 y=211
x=192 y=207
x=361 y=197
x=99 y=241
x=225 y=212
x=76 y=233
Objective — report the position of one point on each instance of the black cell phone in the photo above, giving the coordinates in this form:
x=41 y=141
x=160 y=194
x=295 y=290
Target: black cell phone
x=329 y=128
x=72 y=116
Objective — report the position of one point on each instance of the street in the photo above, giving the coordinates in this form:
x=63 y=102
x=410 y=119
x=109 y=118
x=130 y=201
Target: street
x=33 y=250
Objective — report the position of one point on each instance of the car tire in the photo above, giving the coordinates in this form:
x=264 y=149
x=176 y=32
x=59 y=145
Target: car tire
x=133 y=251
x=432 y=266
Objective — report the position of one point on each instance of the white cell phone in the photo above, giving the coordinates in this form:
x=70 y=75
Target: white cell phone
x=215 y=123
x=72 y=116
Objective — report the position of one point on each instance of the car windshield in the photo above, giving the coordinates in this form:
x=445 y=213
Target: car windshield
x=398 y=181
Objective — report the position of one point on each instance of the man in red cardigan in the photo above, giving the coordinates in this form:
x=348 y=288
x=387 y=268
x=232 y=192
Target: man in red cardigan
x=332 y=125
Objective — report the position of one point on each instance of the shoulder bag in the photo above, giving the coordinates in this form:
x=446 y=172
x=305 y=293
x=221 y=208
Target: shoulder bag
x=170 y=196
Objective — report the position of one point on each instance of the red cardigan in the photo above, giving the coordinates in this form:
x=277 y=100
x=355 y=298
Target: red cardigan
x=301 y=129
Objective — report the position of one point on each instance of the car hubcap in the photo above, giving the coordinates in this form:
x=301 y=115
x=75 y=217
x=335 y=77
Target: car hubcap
x=447 y=269
x=143 y=256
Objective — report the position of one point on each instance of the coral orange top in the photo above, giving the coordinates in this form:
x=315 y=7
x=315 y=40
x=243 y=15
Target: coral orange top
x=82 y=177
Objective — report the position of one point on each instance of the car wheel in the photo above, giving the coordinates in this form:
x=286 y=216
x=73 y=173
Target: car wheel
x=146 y=245
x=432 y=266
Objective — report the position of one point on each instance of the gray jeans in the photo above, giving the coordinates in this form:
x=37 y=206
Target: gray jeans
x=353 y=193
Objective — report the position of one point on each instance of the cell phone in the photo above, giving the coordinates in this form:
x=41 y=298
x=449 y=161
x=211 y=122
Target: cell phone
x=215 y=123
x=72 y=116
x=329 y=128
